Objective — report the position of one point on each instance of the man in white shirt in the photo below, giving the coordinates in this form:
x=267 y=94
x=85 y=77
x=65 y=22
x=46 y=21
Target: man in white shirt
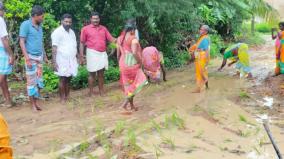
x=6 y=58
x=64 y=51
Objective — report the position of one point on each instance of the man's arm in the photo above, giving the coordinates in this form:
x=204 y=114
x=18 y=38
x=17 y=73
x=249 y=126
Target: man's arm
x=44 y=54
x=54 y=52
x=24 y=51
x=7 y=47
x=109 y=37
x=82 y=47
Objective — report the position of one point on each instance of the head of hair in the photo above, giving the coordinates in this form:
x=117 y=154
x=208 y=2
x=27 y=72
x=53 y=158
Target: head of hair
x=95 y=14
x=66 y=15
x=222 y=50
x=131 y=20
x=37 y=11
x=2 y=7
x=127 y=28
x=206 y=27
x=281 y=24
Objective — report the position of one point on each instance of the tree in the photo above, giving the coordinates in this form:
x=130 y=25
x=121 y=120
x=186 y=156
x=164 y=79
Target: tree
x=260 y=8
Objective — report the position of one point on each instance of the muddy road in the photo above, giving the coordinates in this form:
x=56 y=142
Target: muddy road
x=222 y=122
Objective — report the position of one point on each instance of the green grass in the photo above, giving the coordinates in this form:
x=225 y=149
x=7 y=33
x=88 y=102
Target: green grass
x=263 y=28
x=169 y=142
x=119 y=127
x=243 y=118
x=199 y=134
x=174 y=119
x=158 y=151
x=244 y=95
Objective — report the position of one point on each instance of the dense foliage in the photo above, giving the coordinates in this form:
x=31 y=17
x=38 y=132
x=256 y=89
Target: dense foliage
x=163 y=23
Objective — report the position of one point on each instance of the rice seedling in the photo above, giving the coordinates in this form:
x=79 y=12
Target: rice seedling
x=244 y=95
x=168 y=142
x=199 y=134
x=119 y=127
x=156 y=126
x=158 y=151
x=84 y=146
x=175 y=120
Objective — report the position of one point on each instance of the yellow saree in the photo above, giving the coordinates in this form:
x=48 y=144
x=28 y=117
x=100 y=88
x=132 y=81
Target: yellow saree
x=5 y=149
x=202 y=58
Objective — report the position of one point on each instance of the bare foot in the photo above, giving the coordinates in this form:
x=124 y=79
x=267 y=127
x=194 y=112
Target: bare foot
x=63 y=101
x=197 y=90
x=237 y=74
x=126 y=112
x=134 y=109
x=102 y=93
x=124 y=105
x=90 y=94
x=36 y=108
x=249 y=76
x=7 y=104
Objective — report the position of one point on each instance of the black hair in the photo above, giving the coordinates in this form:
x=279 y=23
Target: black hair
x=222 y=50
x=127 y=28
x=37 y=11
x=281 y=24
x=95 y=14
x=131 y=20
x=66 y=15
x=2 y=7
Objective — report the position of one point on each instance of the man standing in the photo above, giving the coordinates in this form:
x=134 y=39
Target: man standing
x=31 y=42
x=64 y=50
x=6 y=58
x=95 y=37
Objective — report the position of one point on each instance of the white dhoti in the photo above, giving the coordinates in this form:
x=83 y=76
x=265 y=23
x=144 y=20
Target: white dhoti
x=67 y=65
x=96 y=60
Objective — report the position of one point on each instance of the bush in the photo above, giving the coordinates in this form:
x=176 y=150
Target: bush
x=263 y=28
x=177 y=59
x=216 y=44
x=250 y=39
x=50 y=79
x=81 y=80
x=112 y=74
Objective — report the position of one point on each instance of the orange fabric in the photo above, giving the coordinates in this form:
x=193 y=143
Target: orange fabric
x=282 y=49
x=277 y=45
x=5 y=149
x=201 y=70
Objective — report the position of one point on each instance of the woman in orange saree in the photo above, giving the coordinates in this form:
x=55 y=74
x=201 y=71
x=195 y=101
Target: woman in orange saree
x=277 y=46
x=200 y=52
x=5 y=149
x=280 y=51
x=132 y=77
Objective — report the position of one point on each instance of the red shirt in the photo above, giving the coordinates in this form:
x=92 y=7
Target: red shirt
x=95 y=37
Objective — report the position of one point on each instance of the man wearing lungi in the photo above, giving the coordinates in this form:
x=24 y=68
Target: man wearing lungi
x=64 y=51
x=31 y=42
x=95 y=37
x=6 y=59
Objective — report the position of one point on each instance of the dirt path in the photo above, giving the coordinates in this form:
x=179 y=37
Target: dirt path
x=218 y=123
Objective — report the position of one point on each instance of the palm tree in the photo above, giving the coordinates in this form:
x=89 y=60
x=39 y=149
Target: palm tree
x=260 y=8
